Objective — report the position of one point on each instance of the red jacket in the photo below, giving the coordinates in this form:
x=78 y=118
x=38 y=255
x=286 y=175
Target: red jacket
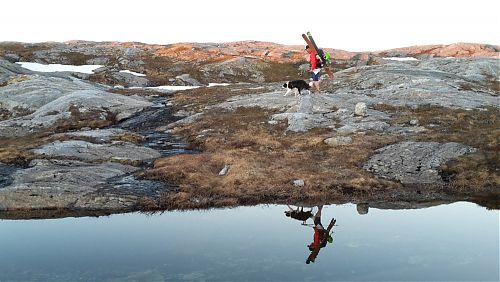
x=312 y=59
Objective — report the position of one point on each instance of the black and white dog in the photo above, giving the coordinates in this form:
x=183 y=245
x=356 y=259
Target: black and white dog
x=297 y=86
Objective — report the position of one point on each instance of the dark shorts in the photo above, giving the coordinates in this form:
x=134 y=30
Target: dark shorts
x=315 y=76
x=317 y=221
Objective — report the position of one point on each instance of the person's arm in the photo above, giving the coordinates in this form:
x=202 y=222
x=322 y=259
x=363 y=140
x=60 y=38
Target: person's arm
x=313 y=61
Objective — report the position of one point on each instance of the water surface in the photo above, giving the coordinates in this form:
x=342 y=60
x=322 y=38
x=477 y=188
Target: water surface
x=449 y=242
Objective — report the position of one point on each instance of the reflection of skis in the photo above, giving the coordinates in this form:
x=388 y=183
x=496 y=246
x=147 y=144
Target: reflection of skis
x=322 y=241
x=310 y=41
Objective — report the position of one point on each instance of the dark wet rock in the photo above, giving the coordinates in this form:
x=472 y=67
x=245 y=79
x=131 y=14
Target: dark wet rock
x=414 y=162
x=5 y=174
x=152 y=123
x=86 y=151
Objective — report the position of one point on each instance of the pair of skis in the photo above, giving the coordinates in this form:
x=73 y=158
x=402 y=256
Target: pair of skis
x=312 y=45
x=322 y=241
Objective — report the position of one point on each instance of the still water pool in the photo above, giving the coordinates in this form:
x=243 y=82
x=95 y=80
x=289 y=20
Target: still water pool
x=455 y=242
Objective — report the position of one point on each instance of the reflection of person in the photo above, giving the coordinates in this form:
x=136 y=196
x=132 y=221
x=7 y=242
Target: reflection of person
x=321 y=236
x=315 y=68
x=319 y=230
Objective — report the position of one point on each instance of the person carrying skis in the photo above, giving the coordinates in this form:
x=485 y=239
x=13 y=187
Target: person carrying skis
x=316 y=66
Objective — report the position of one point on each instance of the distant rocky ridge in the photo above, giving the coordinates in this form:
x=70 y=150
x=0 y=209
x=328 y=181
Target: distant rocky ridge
x=207 y=62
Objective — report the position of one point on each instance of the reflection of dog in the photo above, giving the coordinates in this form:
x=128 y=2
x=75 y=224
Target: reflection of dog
x=297 y=86
x=299 y=214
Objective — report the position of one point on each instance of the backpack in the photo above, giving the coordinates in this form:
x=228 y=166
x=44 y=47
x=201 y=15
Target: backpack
x=319 y=63
x=321 y=54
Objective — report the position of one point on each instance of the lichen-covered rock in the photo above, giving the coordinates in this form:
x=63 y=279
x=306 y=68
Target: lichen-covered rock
x=84 y=104
x=86 y=151
x=414 y=162
x=338 y=141
x=49 y=184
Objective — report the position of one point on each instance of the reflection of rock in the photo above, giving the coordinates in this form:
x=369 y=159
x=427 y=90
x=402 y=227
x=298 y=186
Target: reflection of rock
x=149 y=275
x=414 y=162
x=362 y=208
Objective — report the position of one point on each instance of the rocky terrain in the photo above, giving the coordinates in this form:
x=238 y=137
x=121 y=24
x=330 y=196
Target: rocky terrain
x=382 y=132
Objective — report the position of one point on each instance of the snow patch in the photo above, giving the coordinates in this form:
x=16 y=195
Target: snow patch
x=401 y=59
x=58 y=67
x=134 y=73
x=168 y=87
x=211 y=84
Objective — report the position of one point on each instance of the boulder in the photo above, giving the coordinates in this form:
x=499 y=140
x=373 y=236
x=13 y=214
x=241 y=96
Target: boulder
x=414 y=162
x=338 y=141
x=129 y=80
x=224 y=170
x=360 y=109
x=299 y=183
x=186 y=79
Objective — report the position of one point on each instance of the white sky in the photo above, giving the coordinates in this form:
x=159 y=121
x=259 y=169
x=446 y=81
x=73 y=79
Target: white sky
x=354 y=25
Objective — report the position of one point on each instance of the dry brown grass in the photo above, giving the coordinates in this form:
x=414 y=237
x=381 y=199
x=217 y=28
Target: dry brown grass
x=17 y=150
x=263 y=163
x=199 y=98
x=128 y=137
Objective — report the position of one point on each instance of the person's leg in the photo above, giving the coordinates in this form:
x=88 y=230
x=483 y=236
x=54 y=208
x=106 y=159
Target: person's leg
x=317 y=218
x=316 y=85
x=315 y=81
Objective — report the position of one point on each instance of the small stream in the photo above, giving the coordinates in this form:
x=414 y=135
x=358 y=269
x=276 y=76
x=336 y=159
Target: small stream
x=146 y=123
